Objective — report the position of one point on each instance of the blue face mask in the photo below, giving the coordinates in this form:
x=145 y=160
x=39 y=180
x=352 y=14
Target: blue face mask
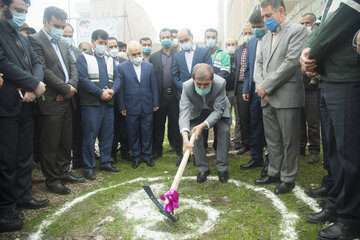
x=17 y=20
x=258 y=32
x=146 y=51
x=203 y=92
x=210 y=43
x=56 y=33
x=69 y=41
x=166 y=43
x=271 y=24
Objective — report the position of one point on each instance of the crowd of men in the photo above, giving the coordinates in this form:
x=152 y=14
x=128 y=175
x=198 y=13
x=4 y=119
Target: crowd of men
x=286 y=81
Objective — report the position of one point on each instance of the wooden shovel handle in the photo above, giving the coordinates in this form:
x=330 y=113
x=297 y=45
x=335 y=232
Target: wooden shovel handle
x=182 y=166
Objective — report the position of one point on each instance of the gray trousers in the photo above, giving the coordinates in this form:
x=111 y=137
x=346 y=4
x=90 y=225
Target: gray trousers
x=223 y=142
x=282 y=133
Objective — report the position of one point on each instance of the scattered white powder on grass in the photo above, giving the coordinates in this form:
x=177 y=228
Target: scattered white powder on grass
x=139 y=207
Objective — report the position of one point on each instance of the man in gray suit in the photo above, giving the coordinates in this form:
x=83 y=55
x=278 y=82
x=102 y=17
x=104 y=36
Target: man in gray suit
x=60 y=76
x=279 y=84
x=203 y=104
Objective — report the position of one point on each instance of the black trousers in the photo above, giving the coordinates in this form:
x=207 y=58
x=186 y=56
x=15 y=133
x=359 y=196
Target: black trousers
x=55 y=145
x=244 y=115
x=77 y=133
x=120 y=134
x=16 y=149
x=310 y=123
x=169 y=106
x=340 y=110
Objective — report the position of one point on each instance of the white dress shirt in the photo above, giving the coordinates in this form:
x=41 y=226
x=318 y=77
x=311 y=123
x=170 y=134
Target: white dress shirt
x=189 y=55
x=137 y=71
x=55 y=45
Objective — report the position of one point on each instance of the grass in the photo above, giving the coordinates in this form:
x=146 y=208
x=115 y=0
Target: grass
x=244 y=214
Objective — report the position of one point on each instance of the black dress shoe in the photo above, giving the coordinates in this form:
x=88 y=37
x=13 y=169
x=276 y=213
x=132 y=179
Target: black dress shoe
x=339 y=230
x=321 y=203
x=264 y=171
x=135 y=164
x=150 y=163
x=284 y=188
x=110 y=169
x=58 y=189
x=9 y=224
x=33 y=204
x=322 y=217
x=72 y=179
x=90 y=175
x=202 y=176
x=178 y=162
x=243 y=150
x=267 y=180
x=156 y=155
x=317 y=192
x=15 y=214
x=251 y=164
x=223 y=176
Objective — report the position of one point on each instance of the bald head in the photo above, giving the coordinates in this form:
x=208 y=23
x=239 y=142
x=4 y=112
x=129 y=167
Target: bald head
x=134 y=49
x=185 y=35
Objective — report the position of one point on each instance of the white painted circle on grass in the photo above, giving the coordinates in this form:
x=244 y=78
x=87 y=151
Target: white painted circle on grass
x=287 y=224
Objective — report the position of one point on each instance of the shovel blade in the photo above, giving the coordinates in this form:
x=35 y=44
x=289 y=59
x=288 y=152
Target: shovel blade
x=151 y=195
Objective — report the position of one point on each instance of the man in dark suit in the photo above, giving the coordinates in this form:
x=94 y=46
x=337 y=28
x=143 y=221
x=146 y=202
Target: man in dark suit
x=75 y=108
x=187 y=58
x=243 y=106
x=162 y=61
x=22 y=73
x=138 y=99
x=249 y=95
x=55 y=110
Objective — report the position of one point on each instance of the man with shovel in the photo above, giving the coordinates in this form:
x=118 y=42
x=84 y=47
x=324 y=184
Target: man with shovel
x=203 y=104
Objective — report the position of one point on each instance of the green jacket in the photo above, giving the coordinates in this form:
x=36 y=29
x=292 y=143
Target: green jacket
x=331 y=46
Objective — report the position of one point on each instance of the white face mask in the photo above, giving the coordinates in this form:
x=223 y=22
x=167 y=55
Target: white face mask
x=122 y=54
x=137 y=60
x=230 y=50
x=309 y=28
x=114 y=53
x=100 y=49
x=186 y=46
x=175 y=43
x=69 y=41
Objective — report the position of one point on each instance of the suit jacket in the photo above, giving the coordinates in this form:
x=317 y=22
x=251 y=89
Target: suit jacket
x=279 y=68
x=14 y=71
x=54 y=77
x=238 y=53
x=156 y=60
x=192 y=104
x=136 y=97
x=180 y=71
x=250 y=65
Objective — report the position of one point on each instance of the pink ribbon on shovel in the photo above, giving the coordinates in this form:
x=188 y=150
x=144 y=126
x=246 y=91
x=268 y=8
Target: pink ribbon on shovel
x=173 y=199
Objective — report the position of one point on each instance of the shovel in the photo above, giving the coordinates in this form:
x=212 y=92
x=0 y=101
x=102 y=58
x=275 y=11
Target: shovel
x=171 y=197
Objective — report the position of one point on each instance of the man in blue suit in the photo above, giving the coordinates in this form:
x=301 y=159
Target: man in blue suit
x=138 y=99
x=249 y=95
x=187 y=58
